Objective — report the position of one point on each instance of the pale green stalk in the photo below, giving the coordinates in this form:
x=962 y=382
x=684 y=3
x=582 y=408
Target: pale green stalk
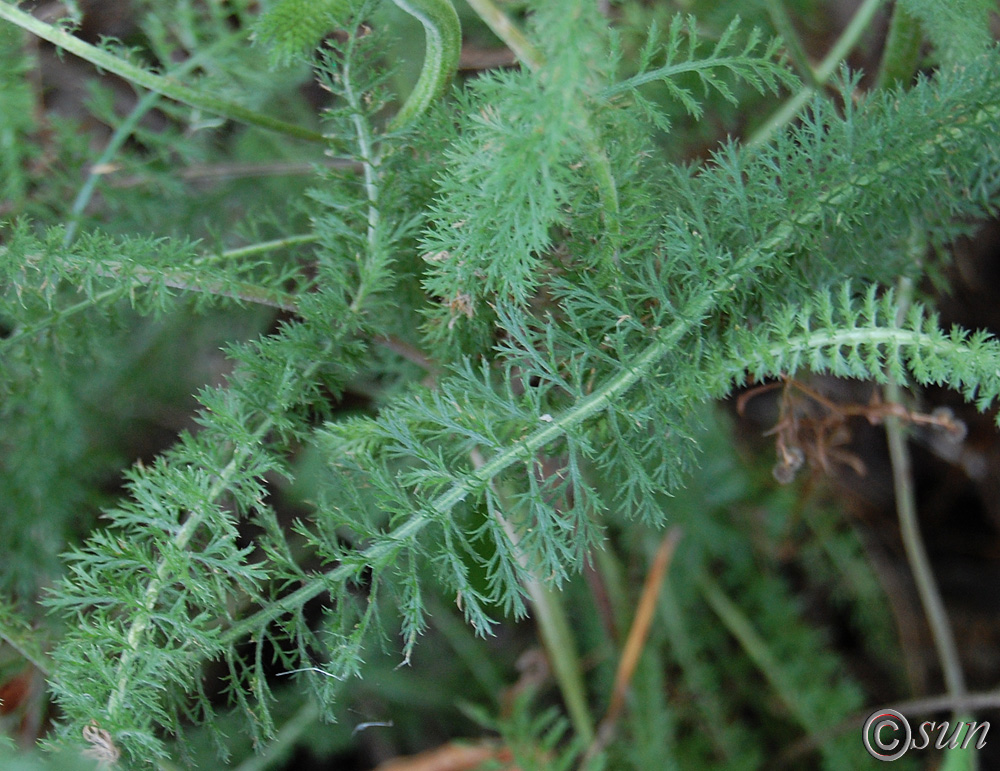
x=259 y=248
x=508 y=32
x=123 y=132
x=553 y=627
x=561 y=647
x=902 y=49
x=443 y=47
x=34 y=656
x=236 y=290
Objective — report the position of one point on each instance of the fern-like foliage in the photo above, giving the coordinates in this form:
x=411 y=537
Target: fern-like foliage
x=292 y=28
x=537 y=307
x=868 y=337
x=748 y=59
x=958 y=28
x=536 y=743
x=17 y=121
x=190 y=500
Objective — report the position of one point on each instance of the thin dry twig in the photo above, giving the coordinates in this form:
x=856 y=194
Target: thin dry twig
x=637 y=636
x=450 y=757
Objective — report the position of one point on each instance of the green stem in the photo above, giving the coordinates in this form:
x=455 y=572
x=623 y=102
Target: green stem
x=259 y=248
x=899 y=61
x=366 y=151
x=158 y=83
x=896 y=337
x=588 y=407
x=793 y=45
x=237 y=290
x=443 y=48
x=284 y=740
x=370 y=160
x=756 y=648
x=552 y=625
x=561 y=647
x=902 y=49
x=668 y=72
x=122 y=133
x=847 y=40
x=607 y=191
x=28 y=651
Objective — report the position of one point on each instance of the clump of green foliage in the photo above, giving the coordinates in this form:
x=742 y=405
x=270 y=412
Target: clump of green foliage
x=531 y=310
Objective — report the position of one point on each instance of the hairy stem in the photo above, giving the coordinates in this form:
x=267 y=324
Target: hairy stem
x=216 y=171
x=239 y=290
x=366 y=153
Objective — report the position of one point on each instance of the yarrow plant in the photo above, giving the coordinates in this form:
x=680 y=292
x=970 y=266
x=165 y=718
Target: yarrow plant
x=474 y=341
